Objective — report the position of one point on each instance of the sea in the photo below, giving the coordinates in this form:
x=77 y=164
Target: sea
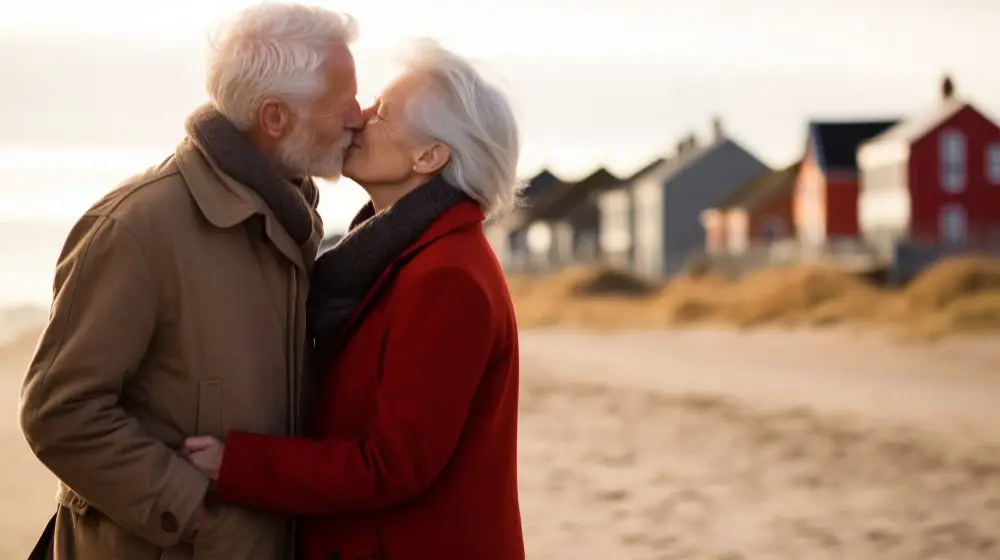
x=40 y=203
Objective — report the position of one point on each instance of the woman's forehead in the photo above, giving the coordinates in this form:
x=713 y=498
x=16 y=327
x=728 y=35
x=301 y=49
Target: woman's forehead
x=401 y=87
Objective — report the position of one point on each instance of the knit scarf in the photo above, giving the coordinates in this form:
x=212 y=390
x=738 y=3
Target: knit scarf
x=291 y=202
x=344 y=274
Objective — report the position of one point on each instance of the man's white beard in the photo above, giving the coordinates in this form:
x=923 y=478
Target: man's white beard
x=299 y=154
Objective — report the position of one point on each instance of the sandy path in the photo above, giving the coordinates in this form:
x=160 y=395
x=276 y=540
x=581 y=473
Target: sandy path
x=717 y=445
x=952 y=385
x=794 y=446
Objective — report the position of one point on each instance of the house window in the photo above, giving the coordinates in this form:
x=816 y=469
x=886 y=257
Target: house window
x=773 y=228
x=952 y=156
x=993 y=163
x=953 y=224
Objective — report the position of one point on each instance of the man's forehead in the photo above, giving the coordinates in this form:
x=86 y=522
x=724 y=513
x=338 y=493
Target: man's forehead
x=340 y=57
x=340 y=73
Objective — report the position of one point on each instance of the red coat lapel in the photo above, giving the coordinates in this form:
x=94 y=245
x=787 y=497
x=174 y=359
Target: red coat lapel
x=460 y=216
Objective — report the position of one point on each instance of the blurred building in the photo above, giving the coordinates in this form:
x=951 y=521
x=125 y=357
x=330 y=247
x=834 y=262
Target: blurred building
x=825 y=199
x=669 y=198
x=758 y=214
x=931 y=184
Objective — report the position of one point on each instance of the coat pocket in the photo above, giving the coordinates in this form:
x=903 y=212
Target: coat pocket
x=210 y=409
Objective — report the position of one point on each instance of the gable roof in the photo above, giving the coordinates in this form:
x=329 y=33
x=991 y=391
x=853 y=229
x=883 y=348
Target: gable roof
x=667 y=169
x=542 y=185
x=565 y=197
x=644 y=170
x=836 y=142
x=762 y=188
x=539 y=184
x=624 y=186
x=913 y=129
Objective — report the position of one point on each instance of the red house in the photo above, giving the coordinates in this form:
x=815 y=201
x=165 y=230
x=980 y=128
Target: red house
x=825 y=200
x=933 y=180
x=758 y=213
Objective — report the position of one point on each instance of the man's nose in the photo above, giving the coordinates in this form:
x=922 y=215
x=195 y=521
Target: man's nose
x=356 y=120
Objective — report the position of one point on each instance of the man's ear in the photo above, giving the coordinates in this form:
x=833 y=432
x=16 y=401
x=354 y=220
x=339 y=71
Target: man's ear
x=274 y=118
x=432 y=159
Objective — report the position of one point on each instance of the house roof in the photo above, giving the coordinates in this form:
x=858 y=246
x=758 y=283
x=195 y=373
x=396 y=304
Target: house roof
x=836 y=143
x=762 y=188
x=669 y=169
x=542 y=185
x=539 y=184
x=913 y=129
x=622 y=187
x=645 y=170
x=564 y=197
x=637 y=175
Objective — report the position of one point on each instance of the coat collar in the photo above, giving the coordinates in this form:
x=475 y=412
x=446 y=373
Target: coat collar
x=461 y=216
x=226 y=203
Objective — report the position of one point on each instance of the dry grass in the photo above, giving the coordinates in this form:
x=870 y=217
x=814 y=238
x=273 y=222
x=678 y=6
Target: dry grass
x=598 y=297
x=954 y=280
x=794 y=296
x=957 y=295
x=690 y=300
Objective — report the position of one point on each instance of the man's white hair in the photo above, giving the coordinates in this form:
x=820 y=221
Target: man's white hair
x=273 y=49
x=474 y=118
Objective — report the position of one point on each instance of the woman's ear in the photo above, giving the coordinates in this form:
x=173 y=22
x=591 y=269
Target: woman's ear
x=432 y=159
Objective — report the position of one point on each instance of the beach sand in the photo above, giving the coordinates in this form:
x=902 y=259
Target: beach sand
x=713 y=444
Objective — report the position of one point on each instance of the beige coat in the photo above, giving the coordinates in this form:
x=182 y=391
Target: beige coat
x=179 y=310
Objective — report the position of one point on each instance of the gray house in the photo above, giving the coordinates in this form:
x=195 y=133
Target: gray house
x=668 y=200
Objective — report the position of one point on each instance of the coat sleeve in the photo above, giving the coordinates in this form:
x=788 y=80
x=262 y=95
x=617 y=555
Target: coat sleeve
x=440 y=338
x=100 y=325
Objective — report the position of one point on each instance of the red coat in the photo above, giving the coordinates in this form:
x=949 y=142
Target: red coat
x=414 y=454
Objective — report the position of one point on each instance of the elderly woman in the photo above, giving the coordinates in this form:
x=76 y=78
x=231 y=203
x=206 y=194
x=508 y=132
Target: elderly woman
x=412 y=452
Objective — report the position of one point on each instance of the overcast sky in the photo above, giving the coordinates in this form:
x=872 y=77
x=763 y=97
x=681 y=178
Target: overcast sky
x=104 y=85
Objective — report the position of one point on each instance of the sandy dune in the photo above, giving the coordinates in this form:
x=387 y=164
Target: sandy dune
x=719 y=445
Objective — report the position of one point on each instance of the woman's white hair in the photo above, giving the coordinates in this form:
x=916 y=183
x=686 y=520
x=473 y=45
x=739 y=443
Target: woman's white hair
x=273 y=49
x=474 y=118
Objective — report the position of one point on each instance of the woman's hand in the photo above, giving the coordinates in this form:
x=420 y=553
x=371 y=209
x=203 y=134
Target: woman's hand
x=205 y=452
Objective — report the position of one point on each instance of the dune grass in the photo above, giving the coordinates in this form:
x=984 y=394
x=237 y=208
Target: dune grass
x=957 y=295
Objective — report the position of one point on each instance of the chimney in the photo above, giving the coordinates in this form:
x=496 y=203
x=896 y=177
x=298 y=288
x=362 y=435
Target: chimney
x=947 y=88
x=686 y=143
x=717 y=131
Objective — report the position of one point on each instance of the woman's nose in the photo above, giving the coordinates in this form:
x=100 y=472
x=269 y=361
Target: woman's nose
x=368 y=113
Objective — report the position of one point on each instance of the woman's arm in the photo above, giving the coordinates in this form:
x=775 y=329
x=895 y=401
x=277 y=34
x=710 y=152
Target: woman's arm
x=440 y=340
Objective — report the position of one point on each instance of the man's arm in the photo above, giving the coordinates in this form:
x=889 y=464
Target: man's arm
x=102 y=321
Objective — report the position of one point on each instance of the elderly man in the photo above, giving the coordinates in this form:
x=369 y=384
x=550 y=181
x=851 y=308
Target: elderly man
x=179 y=302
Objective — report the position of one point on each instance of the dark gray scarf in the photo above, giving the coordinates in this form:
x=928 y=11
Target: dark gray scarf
x=344 y=274
x=290 y=202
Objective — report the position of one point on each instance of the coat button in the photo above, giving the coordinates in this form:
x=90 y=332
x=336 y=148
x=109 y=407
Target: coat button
x=168 y=522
